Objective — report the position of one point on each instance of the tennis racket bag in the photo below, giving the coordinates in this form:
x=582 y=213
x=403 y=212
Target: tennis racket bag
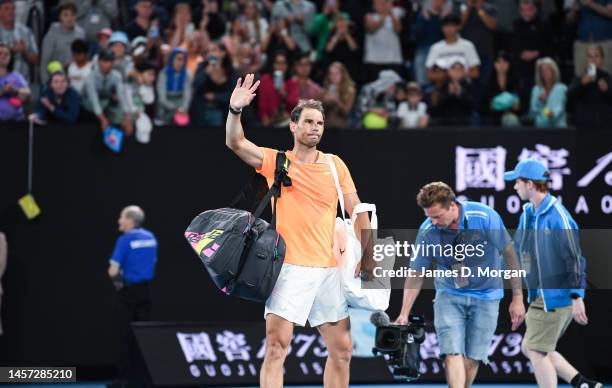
x=242 y=253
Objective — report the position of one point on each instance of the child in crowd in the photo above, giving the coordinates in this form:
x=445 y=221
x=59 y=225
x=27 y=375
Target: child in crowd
x=80 y=66
x=412 y=113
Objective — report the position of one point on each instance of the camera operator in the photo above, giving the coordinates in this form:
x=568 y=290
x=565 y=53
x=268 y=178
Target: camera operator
x=465 y=308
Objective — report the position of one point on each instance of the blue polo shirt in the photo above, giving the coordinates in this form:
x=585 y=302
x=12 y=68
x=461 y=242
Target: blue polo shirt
x=479 y=226
x=136 y=254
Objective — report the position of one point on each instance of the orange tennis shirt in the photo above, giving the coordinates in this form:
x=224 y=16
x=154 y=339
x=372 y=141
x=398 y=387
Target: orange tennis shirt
x=306 y=210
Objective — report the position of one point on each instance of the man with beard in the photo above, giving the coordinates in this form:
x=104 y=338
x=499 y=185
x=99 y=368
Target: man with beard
x=308 y=287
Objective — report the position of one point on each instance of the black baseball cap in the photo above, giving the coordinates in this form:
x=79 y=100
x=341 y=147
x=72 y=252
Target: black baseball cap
x=106 y=55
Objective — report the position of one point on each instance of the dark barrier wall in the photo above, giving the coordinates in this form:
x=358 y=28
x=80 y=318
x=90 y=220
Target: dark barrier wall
x=57 y=308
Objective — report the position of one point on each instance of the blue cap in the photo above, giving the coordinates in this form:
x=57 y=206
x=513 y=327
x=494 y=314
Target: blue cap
x=528 y=169
x=120 y=37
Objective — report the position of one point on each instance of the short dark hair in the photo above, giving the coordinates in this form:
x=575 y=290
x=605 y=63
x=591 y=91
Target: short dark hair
x=79 y=46
x=67 y=5
x=106 y=55
x=306 y=104
x=145 y=66
x=451 y=19
x=435 y=192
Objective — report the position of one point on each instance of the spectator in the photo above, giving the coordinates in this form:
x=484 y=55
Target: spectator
x=58 y=40
x=256 y=26
x=138 y=50
x=594 y=18
x=591 y=93
x=298 y=15
x=14 y=89
x=278 y=92
x=196 y=44
x=173 y=88
x=210 y=19
x=507 y=13
x=119 y=45
x=278 y=39
x=101 y=43
x=307 y=88
x=338 y=96
x=181 y=25
x=142 y=24
x=214 y=81
x=478 y=25
x=145 y=26
x=412 y=113
x=79 y=68
x=342 y=47
x=427 y=31
x=96 y=15
x=248 y=60
x=454 y=101
x=502 y=94
x=58 y=103
x=19 y=39
x=450 y=48
x=548 y=96
x=142 y=89
x=382 y=48
x=234 y=39
x=532 y=40
x=376 y=103
x=105 y=94
x=323 y=24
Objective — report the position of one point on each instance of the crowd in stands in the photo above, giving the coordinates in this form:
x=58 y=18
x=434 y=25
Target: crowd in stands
x=376 y=64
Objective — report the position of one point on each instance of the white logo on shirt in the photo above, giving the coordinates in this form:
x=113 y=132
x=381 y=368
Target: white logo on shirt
x=136 y=244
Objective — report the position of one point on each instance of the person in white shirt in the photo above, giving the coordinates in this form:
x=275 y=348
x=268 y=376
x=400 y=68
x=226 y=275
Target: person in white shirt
x=450 y=48
x=79 y=68
x=412 y=113
x=382 y=50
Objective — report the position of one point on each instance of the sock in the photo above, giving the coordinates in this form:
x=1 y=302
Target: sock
x=576 y=380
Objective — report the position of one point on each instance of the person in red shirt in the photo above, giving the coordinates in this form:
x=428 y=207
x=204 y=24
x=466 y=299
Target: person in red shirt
x=278 y=93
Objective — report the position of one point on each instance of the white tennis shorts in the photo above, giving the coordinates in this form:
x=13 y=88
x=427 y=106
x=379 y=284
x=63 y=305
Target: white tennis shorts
x=308 y=293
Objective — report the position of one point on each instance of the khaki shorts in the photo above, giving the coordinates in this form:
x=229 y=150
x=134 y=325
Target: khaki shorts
x=545 y=328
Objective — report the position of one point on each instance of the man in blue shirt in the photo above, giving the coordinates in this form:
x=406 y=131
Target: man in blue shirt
x=132 y=268
x=467 y=296
x=548 y=244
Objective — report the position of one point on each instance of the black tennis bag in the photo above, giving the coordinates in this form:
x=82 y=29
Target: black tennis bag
x=242 y=253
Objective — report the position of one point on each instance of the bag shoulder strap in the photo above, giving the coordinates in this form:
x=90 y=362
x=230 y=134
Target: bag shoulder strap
x=332 y=166
x=359 y=208
x=281 y=178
